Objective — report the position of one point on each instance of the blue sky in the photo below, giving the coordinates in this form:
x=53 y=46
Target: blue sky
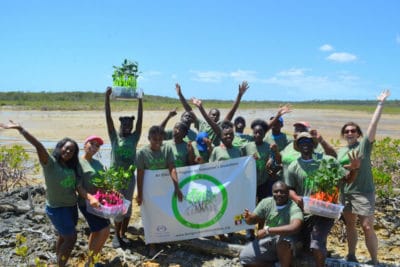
x=286 y=50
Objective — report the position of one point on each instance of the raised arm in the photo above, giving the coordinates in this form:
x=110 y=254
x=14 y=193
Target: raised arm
x=328 y=148
x=40 y=149
x=371 y=131
x=110 y=123
x=139 y=121
x=283 y=109
x=171 y=113
x=242 y=89
x=214 y=126
x=183 y=100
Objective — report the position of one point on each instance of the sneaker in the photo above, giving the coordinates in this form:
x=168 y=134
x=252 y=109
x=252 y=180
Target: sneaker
x=351 y=258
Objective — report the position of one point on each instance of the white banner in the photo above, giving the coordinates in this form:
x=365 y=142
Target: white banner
x=215 y=195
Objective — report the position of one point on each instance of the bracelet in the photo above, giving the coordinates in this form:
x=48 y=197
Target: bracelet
x=22 y=131
x=266 y=228
x=380 y=103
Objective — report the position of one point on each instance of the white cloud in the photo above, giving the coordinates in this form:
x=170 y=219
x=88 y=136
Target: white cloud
x=209 y=76
x=326 y=48
x=292 y=72
x=342 y=57
x=244 y=75
x=398 y=39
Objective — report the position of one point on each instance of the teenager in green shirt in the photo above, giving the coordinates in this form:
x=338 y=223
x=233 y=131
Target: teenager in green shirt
x=61 y=171
x=123 y=154
x=213 y=114
x=155 y=156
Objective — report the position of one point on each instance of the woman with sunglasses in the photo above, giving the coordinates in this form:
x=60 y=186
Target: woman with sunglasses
x=358 y=197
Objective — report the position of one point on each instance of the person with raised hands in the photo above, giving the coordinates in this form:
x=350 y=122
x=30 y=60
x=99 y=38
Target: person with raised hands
x=214 y=113
x=61 y=172
x=123 y=153
x=358 y=197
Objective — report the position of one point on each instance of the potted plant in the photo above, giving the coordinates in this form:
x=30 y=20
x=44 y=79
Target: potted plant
x=125 y=79
x=109 y=182
x=325 y=181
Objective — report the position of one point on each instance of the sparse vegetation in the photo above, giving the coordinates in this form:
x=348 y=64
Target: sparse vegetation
x=95 y=101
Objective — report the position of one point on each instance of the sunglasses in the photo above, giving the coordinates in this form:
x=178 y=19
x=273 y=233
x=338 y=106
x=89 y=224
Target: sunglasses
x=350 y=131
x=305 y=141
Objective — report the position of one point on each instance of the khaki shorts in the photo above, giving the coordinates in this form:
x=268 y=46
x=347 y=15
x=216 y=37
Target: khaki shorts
x=360 y=204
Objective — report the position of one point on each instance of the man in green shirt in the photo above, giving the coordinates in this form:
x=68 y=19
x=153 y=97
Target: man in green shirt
x=281 y=219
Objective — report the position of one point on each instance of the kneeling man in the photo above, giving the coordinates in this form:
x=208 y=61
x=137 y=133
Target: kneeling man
x=281 y=219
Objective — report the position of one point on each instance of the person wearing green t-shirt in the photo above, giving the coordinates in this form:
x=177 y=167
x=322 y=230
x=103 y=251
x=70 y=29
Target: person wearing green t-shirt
x=289 y=154
x=279 y=220
x=123 y=154
x=213 y=114
x=358 y=197
x=300 y=183
x=276 y=136
x=241 y=139
x=99 y=227
x=187 y=118
x=61 y=172
x=183 y=151
x=155 y=156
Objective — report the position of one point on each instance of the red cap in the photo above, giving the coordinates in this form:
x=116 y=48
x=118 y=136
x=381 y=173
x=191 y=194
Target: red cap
x=303 y=123
x=94 y=138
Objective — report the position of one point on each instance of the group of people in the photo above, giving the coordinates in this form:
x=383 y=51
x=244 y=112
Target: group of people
x=282 y=162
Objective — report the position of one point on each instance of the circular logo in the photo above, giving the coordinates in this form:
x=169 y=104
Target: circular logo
x=219 y=213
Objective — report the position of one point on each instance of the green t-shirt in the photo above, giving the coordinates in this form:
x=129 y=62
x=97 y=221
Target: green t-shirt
x=203 y=154
x=191 y=135
x=281 y=140
x=222 y=153
x=364 y=182
x=123 y=150
x=289 y=154
x=267 y=210
x=180 y=151
x=203 y=126
x=148 y=159
x=60 y=184
x=89 y=170
x=299 y=171
x=263 y=153
x=240 y=140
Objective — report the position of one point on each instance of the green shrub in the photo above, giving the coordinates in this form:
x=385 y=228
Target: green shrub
x=385 y=159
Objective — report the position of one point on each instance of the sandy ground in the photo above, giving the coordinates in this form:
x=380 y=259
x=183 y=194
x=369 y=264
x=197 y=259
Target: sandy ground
x=51 y=126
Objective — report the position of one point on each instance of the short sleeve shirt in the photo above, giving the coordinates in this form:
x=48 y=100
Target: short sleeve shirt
x=123 y=150
x=180 y=151
x=263 y=153
x=205 y=127
x=60 y=184
x=281 y=140
x=273 y=217
x=222 y=153
x=89 y=171
x=299 y=172
x=191 y=135
x=364 y=182
x=148 y=159
x=240 y=140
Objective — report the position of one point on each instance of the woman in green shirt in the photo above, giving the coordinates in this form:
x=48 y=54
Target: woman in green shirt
x=61 y=170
